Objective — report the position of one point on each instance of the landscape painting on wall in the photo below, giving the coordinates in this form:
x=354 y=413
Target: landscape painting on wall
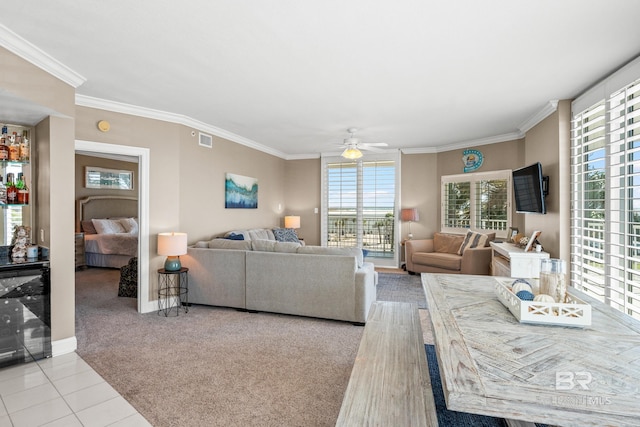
x=240 y=192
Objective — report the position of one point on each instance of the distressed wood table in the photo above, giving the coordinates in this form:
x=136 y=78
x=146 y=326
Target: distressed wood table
x=493 y=365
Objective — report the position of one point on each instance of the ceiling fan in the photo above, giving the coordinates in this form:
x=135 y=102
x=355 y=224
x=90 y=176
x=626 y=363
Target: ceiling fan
x=353 y=146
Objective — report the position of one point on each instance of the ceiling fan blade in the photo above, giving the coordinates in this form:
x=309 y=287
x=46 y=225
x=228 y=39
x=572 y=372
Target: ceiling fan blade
x=371 y=148
x=374 y=144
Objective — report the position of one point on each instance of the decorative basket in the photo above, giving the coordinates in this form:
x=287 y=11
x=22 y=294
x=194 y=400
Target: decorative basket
x=574 y=312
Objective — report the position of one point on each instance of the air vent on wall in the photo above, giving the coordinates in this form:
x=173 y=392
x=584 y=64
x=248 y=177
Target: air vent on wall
x=206 y=140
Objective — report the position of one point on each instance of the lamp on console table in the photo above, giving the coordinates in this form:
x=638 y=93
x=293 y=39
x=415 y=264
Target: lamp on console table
x=410 y=215
x=172 y=245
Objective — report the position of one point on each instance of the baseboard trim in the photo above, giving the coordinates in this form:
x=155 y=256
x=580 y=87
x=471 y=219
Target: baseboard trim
x=64 y=346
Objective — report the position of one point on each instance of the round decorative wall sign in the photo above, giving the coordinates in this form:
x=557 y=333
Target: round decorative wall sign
x=472 y=160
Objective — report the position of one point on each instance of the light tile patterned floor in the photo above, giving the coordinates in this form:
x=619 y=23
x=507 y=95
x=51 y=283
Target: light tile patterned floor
x=61 y=391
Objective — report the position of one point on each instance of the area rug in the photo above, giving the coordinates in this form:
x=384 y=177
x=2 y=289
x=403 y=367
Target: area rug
x=453 y=418
x=401 y=288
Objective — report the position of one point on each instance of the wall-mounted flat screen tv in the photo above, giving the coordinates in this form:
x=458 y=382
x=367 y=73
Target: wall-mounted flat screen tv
x=529 y=189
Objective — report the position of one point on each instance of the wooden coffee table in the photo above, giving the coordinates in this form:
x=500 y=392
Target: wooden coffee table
x=490 y=364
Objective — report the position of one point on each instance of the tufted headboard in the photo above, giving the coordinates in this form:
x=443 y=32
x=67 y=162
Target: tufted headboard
x=105 y=207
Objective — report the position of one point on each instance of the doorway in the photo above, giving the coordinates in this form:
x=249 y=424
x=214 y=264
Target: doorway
x=142 y=156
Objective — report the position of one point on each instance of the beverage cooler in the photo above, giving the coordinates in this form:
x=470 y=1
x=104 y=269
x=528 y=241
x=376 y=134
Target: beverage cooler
x=25 y=312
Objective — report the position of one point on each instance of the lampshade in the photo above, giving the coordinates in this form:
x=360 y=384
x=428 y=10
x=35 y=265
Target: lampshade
x=291 y=222
x=172 y=245
x=352 y=153
x=409 y=214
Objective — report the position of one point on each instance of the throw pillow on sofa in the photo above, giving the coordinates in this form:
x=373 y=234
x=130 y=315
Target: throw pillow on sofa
x=473 y=240
x=285 y=235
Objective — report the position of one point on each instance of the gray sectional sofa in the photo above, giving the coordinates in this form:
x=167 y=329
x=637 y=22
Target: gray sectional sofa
x=281 y=277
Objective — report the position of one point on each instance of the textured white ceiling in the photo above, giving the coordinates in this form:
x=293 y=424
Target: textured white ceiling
x=293 y=75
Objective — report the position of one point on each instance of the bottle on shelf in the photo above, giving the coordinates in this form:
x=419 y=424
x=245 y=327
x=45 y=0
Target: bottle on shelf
x=4 y=139
x=3 y=193
x=12 y=191
x=24 y=146
x=14 y=148
x=22 y=191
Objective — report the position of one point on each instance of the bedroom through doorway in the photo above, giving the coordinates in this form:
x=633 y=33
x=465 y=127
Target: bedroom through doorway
x=111 y=198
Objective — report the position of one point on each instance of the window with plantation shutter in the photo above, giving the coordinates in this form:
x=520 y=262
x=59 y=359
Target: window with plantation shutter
x=478 y=202
x=359 y=204
x=605 y=211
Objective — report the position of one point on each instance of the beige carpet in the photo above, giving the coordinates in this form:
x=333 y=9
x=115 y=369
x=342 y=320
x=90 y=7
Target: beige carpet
x=215 y=366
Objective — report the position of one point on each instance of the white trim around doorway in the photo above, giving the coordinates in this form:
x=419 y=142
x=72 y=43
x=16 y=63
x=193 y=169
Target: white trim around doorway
x=143 y=155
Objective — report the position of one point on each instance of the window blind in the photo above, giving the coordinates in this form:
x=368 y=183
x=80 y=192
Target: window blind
x=359 y=205
x=605 y=218
x=477 y=201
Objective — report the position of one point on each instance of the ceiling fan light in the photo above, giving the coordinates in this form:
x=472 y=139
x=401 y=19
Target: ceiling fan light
x=351 y=153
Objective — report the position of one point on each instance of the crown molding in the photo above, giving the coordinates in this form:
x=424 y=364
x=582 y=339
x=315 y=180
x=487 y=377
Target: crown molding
x=149 y=113
x=465 y=144
x=536 y=118
x=29 y=52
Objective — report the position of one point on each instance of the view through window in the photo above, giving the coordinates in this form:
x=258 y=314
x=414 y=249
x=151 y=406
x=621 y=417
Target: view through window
x=477 y=202
x=360 y=206
x=605 y=211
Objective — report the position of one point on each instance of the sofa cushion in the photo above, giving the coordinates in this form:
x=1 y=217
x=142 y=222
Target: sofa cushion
x=323 y=250
x=473 y=240
x=447 y=243
x=286 y=247
x=438 y=259
x=261 y=233
x=263 y=245
x=201 y=244
x=285 y=235
x=253 y=234
x=242 y=245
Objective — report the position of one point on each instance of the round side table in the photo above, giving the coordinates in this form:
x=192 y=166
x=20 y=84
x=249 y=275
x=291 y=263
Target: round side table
x=173 y=291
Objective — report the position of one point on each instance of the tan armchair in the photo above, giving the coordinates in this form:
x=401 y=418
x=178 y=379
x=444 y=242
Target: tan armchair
x=440 y=255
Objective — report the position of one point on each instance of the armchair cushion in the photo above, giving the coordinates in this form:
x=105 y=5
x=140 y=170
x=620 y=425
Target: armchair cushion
x=447 y=243
x=438 y=259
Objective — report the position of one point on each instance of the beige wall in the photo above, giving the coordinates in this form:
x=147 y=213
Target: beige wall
x=545 y=143
x=201 y=174
x=303 y=194
x=420 y=188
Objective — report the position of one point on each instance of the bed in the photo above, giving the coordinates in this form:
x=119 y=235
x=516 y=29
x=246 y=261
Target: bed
x=110 y=228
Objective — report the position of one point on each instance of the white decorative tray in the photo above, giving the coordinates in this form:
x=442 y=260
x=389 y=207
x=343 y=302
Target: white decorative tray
x=575 y=312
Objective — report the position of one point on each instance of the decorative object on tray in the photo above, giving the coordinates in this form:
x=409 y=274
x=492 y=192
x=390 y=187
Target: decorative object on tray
x=20 y=242
x=542 y=308
x=553 y=279
x=513 y=232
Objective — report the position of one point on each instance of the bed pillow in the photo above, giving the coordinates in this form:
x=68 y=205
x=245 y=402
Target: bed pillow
x=108 y=226
x=130 y=225
x=87 y=227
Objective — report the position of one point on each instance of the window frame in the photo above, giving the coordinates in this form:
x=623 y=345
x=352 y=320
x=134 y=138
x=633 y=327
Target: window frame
x=387 y=156
x=474 y=178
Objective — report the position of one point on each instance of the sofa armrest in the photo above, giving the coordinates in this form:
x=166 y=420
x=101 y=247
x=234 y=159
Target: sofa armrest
x=476 y=261
x=413 y=246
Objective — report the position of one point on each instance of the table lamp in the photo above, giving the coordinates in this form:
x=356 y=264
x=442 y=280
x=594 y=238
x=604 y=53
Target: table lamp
x=172 y=245
x=410 y=214
x=292 y=222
